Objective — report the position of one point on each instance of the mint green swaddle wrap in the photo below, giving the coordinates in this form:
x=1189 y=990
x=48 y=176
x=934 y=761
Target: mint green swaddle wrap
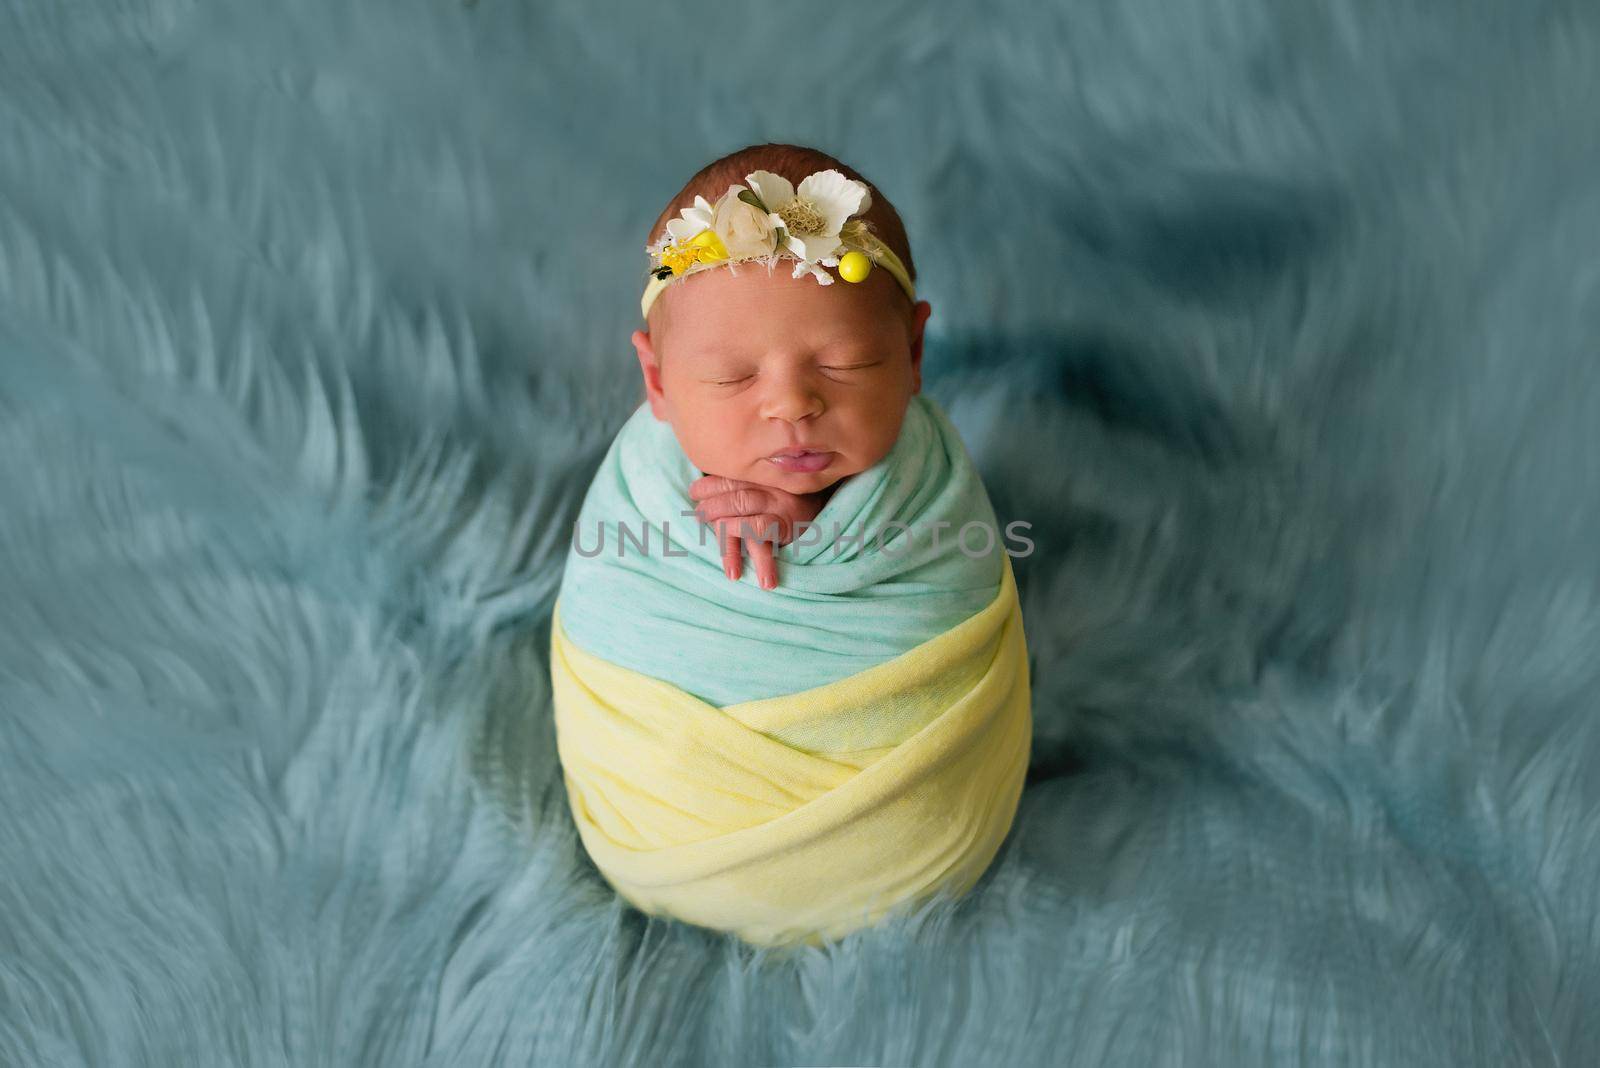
x=843 y=604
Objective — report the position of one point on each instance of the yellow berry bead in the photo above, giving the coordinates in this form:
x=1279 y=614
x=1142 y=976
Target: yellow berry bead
x=854 y=266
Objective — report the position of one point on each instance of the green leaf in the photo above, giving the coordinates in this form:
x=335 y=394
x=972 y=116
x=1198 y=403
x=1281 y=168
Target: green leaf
x=750 y=198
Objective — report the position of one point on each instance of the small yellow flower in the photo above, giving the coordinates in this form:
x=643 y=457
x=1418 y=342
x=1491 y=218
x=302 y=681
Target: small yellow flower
x=704 y=247
x=710 y=246
x=679 y=257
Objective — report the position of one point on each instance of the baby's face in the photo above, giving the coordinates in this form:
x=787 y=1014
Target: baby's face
x=746 y=365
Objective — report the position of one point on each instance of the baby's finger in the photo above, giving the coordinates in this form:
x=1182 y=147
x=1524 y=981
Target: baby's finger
x=745 y=501
x=732 y=557
x=711 y=485
x=766 y=566
x=747 y=526
x=760 y=526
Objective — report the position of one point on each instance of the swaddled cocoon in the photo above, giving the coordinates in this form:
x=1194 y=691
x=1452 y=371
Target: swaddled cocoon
x=790 y=764
x=841 y=606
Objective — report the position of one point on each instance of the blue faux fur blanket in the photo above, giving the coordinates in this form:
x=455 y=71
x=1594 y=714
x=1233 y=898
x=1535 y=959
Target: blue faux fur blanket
x=1275 y=321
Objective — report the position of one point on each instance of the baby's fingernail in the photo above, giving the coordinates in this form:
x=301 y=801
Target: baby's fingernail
x=768 y=583
x=728 y=570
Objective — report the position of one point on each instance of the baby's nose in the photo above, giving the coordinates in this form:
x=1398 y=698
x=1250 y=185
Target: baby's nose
x=793 y=401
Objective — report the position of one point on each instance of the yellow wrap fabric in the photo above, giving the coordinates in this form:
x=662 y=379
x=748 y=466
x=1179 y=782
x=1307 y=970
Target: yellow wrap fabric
x=801 y=818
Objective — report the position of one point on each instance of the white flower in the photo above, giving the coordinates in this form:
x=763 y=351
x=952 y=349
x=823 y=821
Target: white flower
x=746 y=231
x=693 y=220
x=812 y=215
x=822 y=277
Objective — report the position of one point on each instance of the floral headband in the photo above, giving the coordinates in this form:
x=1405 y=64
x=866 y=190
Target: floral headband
x=815 y=225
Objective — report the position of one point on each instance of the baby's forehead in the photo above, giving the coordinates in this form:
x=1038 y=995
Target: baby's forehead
x=738 y=312
x=822 y=345
x=753 y=336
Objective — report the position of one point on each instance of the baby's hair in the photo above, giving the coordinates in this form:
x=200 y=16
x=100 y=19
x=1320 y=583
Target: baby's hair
x=793 y=162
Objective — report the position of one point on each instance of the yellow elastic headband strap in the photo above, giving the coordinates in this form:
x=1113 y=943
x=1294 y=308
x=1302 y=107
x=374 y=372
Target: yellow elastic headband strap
x=881 y=254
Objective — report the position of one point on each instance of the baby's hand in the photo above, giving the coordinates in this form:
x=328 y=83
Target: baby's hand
x=748 y=512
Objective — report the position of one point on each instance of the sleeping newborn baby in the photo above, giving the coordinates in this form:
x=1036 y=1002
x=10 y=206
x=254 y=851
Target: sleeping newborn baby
x=790 y=754
x=780 y=405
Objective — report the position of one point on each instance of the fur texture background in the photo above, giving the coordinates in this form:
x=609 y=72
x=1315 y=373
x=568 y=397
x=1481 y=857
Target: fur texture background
x=1277 y=321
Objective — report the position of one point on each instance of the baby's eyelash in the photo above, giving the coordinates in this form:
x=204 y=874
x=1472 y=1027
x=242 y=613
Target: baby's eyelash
x=825 y=367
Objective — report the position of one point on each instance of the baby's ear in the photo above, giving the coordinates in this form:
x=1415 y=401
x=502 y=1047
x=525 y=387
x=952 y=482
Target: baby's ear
x=919 y=320
x=650 y=368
